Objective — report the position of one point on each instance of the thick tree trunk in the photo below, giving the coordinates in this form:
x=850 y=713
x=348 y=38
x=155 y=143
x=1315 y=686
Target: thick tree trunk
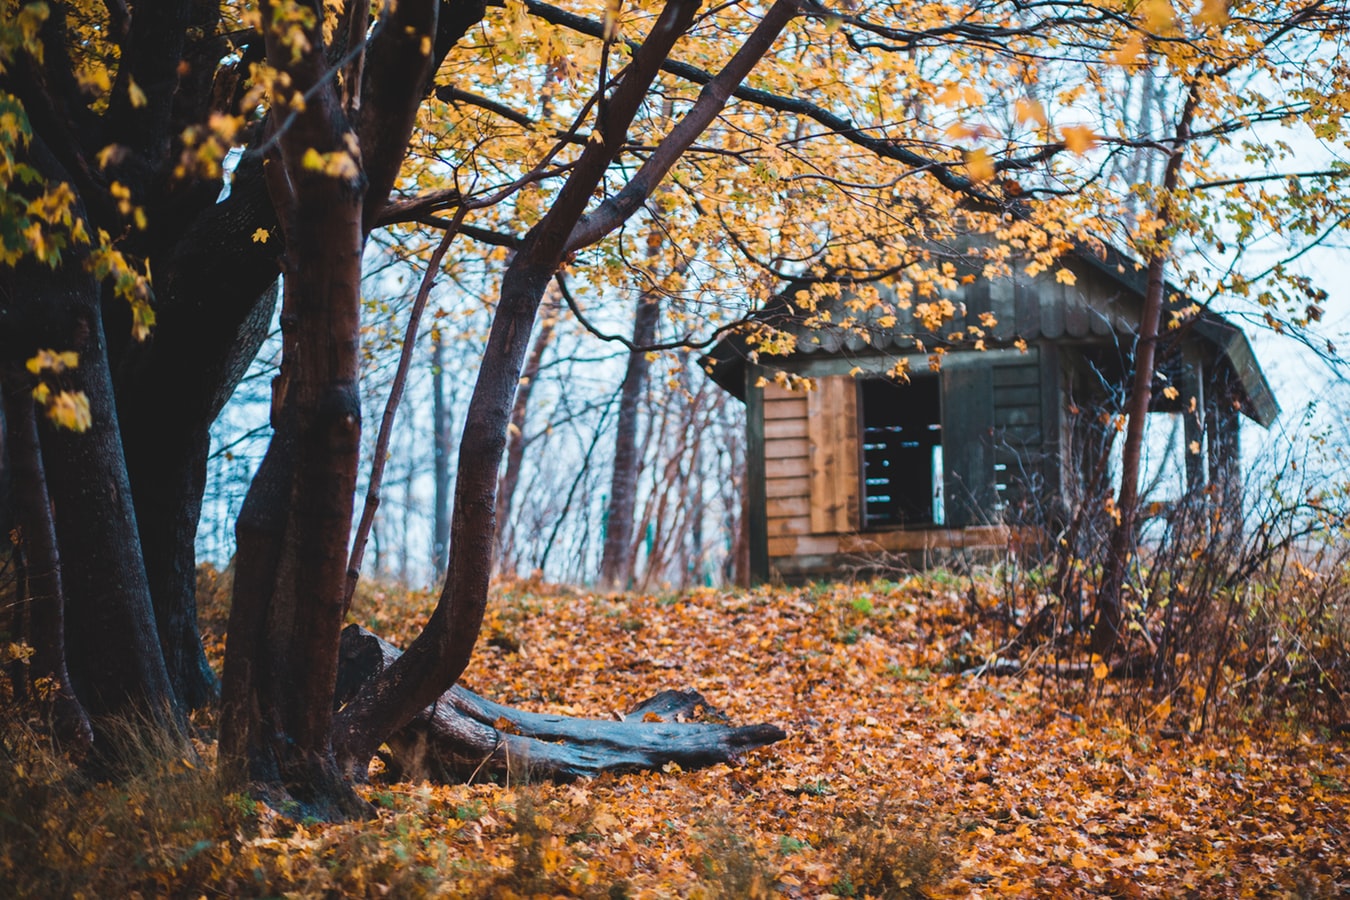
x=42 y=593
x=210 y=325
x=290 y=599
x=113 y=652
x=616 y=570
x=463 y=735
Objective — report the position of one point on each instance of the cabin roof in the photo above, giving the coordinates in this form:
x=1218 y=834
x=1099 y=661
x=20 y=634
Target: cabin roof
x=1103 y=304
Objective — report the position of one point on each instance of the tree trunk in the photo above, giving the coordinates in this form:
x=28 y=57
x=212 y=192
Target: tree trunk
x=41 y=590
x=209 y=327
x=515 y=434
x=616 y=571
x=462 y=735
x=441 y=443
x=112 y=646
x=289 y=593
x=1110 y=604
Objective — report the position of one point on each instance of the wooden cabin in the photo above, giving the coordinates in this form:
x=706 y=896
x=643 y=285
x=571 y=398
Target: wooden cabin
x=984 y=451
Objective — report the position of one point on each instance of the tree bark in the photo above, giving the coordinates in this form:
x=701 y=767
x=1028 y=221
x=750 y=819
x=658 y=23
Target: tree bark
x=616 y=570
x=1110 y=605
x=112 y=646
x=213 y=313
x=520 y=408
x=441 y=444
x=291 y=597
x=42 y=593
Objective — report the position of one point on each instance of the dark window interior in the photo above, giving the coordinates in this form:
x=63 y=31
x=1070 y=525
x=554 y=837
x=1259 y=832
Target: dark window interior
x=902 y=452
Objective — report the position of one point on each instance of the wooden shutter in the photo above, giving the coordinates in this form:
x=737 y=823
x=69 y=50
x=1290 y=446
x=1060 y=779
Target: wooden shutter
x=967 y=454
x=833 y=436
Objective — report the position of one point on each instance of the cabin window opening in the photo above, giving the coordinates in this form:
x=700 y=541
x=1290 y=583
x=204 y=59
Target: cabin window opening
x=902 y=453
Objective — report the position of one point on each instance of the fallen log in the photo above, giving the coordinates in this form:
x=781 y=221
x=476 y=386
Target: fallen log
x=463 y=736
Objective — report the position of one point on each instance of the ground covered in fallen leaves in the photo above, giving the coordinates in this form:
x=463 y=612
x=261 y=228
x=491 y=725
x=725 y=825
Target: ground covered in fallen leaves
x=904 y=773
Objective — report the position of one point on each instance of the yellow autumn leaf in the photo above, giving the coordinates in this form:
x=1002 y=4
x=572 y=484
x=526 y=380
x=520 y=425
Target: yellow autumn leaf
x=260 y=235
x=979 y=165
x=1130 y=54
x=1171 y=393
x=70 y=410
x=110 y=155
x=1064 y=276
x=1213 y=12
x=1079 y=139
x=53 y=361
x=1028 y=110
x=1159 y=16
x=135 y=94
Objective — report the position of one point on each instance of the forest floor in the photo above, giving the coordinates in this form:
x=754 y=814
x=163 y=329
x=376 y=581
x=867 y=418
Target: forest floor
x=904 y=774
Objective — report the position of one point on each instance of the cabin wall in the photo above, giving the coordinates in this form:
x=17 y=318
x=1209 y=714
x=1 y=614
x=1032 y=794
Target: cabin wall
x=787 y=464
x=805 y=465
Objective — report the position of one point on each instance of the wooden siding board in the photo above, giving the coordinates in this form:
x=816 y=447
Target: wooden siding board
x=787 y=467
x=832 y=428
x=1017 y=416
x=795 y=545
x=782 y=488
x=782 y=527
x=780 y=448
x=782 y=428
x=790 y=507
x=1026 y=300
x=785 y=407
x=1053 y=297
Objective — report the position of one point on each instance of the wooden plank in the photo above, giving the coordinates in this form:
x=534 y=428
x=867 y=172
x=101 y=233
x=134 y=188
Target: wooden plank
x=809 y=567
x=794 y=408
x=1025 y=372
x=790 y=507
x=789 y=467
x=789 y=526
x=779 y=488
x=832 y=428
x=782 y=448
x=1015 y=395
x=927 y=539
x=783 y=428
x=799 y=544
x=1028 y=416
